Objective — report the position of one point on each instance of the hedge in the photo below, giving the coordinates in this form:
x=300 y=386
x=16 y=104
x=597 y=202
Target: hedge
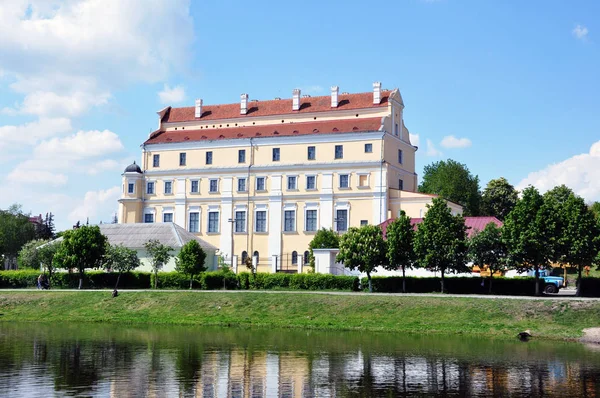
x=590 y=287
x=206 y=280
x=266 y=281
x=454 y=285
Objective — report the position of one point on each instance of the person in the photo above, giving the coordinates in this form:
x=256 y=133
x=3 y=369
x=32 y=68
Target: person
x=39 y=281
x=115 y=293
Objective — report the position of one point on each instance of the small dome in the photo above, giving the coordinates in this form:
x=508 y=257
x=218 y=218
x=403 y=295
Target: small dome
x=133 y=168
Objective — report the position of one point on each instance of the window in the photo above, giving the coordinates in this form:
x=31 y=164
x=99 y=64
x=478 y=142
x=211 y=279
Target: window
x=368 y=148
x=339 y=151
x=306 y=257
x=182 y=159
x=260 y=183
x=244 y=257
x=213 y=221
x=194 y=222
x=130 y=187
x=156 y=161
x=276 y=154
x=242 y=156
x=341 y=220
x=311 y=182
x=240 y=221
x=311 y=220
x=150 y=188
x=364 y=222
x=363 y=180
x=167 y=217
x=195 y=186
x=312 y=153
x=148 y=218
x=400 y=184
x=294 y=257
x=168 y=187
x=289 y=221
x=344 y=181
x=291 y=182
x=214 y=185
x=396 y=129
x=241 y=185
x=261 y=221
x=400 y=156
x=209 y=157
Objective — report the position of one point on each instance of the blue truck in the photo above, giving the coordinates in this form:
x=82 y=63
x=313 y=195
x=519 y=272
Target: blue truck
x=552 y=284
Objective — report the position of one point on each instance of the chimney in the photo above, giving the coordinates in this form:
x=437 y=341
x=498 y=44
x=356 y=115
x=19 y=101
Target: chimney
x=244 y=104
x=334 y=96
x=296 y=99
x=377 y=93
x=198 y=112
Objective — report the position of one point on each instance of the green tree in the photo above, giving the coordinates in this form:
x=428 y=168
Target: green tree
x=29 y=254
x=553 y=221
x=80 y=249
x=323 y=239
x=523 y=235
x=46 y=254
x=582 y=236
x=595 y=208
x=15 y=231
x=486 y=248
x=190 y=260
x=440 y=241
x=400 y=252
x=454 y=182
x=363 y=249
x=499 y=198
x=121 y=259
x=159 y=255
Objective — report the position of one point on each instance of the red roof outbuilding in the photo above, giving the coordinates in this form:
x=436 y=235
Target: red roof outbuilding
x=473 y=224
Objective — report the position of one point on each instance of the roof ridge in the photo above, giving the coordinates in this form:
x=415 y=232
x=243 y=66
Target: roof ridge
x=177 y=236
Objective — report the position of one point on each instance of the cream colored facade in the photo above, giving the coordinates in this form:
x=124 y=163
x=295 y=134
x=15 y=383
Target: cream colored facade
x=250 y=201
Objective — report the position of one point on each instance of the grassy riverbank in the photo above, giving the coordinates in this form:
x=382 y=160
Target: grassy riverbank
x=447 y=315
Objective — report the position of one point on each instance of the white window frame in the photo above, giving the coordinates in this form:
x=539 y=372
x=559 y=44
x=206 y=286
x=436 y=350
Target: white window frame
x=315 y=177
x=243 y=209
x=341 y=206
x=289 y=207
x=153 y=182
x=210 y=180
x=368 y=180
x=340 y=180
x=311 y=207
x=151 y=211
x=191 y=184
x=165 y=187
x=168 y=212
x=256 y=184
x=335 y=152
x=130 y=183
x=156 y=156
x=287 y=182
x=194 y=209
x=213 y=210
x=245 y=184
x=265 y=208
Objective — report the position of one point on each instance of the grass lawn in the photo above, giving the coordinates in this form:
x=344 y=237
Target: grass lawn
x=502 y=318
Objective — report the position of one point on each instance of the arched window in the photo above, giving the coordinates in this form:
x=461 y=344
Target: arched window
x=255 y=254
x=306 y=257
x=244 y=257
x=294 y=257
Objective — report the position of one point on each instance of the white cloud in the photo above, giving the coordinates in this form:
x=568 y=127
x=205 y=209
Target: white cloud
x=31 y=133
x=97 y=205
x=581 y=173
x=414 y=139
x=81 y=145
x=104 y=165
x=580 y=32
x=172 y=95
x=432 y=150
x=24 y=176
x=451 y=141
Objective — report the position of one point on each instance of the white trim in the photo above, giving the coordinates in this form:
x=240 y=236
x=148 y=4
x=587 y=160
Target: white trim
x=256 y=183
x=210 y=180
x=340 y=180
x=341 y=206
x=368 y=180
x=306 y=182
x=289 y=207
x=241 y=209
x=195 y=180
x=311 y=206
x=165 y=187
x=132 y=182
x=287 y=182
x=153 y=182
x=265 y=208
x=218 y=221
x=237 y=187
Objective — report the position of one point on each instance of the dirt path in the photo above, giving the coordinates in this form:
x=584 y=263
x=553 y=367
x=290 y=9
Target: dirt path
x=591 y=335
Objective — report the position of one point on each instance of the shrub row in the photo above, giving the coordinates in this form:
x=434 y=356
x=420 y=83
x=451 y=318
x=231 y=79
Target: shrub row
x=205 y=281
x=454 y=285
x=590 y=287
x=264 y=281
x=65 y=280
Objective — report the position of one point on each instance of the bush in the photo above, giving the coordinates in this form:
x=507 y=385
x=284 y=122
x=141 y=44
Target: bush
x=265 y=281
x=18 y=279
x=217 y=279
x=590 y=287
x=455 y=285
x=174 y=280
x=64 y=280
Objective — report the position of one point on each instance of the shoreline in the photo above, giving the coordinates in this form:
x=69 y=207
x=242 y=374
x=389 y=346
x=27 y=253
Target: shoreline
x=548 y=319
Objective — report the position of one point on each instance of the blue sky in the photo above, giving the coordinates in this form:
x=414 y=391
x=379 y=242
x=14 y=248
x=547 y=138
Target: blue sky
x=509 y=88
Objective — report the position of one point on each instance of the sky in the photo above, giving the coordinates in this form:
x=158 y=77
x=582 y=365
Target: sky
x=509 y=88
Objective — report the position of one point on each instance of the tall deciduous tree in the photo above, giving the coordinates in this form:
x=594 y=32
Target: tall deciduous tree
x=81 y=248
x=15 y=231
x=190 y=260
x=595 y=208
x=400 y=252
x=121 y=259
x=323 y=239
x=454 y=182
x=486 y=249
x=499 y=198
x=159 y=255
x=363 y=249
x=29 y=254
x=46 y=254
x=440 y=241
x=523 y=235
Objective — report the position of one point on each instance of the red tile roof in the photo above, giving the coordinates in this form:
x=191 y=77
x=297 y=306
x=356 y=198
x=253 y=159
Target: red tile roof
x=271 y=130
x=473 y=223
x=276 y=107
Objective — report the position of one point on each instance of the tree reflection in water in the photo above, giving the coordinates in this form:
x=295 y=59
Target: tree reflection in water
x=94 y=360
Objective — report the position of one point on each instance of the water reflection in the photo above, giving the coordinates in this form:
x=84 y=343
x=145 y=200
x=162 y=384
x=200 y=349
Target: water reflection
x=94 y=360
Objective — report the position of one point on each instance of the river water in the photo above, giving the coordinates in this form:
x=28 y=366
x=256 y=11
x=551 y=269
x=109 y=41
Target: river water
x=40 y=360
